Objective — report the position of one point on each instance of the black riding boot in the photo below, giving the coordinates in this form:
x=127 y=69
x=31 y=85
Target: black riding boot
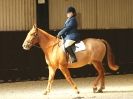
x=72 y=54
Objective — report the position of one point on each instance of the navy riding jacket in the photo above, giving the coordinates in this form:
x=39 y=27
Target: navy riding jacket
x=69 y=30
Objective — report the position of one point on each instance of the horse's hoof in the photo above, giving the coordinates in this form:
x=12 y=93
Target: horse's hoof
x=103 y=87
x=45 y=93
x=99 y=91
x=94 y=90
x=78 y=92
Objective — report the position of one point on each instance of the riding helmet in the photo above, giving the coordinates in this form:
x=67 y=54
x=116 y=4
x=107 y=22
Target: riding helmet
x=71 y=9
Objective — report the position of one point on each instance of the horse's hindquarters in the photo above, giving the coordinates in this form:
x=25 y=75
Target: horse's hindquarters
x=95 y=50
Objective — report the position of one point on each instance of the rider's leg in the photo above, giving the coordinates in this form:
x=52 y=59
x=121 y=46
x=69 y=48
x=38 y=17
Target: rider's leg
x=68 y=44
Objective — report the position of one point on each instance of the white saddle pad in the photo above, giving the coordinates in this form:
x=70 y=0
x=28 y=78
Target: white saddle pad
x=80 y=46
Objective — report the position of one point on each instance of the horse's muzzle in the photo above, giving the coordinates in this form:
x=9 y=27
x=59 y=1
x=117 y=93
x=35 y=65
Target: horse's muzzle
x=26 y=47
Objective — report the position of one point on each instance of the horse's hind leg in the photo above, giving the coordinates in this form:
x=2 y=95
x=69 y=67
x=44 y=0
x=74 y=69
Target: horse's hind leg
x=68 y=77
x=52 y=71
x=99 y=68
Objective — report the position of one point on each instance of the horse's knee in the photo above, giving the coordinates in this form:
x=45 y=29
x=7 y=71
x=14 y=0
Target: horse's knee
x=50 y=80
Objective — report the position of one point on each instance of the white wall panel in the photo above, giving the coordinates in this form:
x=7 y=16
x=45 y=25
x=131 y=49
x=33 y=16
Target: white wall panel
x=93 y=14
x=17 y=14
x=114 y=13
x=86 y=12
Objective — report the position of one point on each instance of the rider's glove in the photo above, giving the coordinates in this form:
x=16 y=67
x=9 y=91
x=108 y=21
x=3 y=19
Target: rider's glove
x=59 y=36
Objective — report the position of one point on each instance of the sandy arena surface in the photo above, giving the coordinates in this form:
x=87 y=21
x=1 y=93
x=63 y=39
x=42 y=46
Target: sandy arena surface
x=117 y=87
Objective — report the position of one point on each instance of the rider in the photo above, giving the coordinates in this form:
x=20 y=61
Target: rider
x=69 y=32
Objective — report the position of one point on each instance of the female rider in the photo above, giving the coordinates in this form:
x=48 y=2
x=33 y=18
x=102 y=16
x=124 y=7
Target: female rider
x=69 y=32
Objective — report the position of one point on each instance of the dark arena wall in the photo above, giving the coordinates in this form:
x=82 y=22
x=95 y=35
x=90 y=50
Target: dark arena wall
x=17 y=63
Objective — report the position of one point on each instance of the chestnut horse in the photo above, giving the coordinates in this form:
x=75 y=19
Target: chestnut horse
x=56 y=58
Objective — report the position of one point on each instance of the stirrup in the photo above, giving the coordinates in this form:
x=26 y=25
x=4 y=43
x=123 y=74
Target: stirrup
x=73 y=60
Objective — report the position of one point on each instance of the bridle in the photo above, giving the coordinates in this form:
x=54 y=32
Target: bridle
x=35 y=35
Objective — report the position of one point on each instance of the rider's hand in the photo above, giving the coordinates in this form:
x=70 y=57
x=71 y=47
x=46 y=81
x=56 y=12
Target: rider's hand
x=59 y=36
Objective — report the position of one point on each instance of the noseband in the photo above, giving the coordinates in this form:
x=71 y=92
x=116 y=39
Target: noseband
x=35 y=35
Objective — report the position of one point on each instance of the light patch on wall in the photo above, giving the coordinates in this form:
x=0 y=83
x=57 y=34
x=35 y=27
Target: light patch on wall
x=41 y=1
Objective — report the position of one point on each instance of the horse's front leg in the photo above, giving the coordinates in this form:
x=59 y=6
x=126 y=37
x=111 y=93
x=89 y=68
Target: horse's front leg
x=52 y=71
x=68 y=77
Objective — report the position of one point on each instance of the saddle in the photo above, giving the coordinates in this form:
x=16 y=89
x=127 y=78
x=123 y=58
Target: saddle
x=76 y=47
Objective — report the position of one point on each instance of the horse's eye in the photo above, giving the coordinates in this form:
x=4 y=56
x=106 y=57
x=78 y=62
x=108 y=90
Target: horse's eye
x=33 y=34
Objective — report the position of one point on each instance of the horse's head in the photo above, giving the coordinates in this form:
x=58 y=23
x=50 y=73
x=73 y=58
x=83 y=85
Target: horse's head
x=31 y=39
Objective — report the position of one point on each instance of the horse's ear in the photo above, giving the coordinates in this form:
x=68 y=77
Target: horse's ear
x=34 y=26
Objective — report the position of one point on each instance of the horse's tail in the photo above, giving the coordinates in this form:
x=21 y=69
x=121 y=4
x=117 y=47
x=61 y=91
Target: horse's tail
x=110 y=57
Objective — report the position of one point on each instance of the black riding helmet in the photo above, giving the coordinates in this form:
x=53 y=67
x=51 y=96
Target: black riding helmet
x=71 y=9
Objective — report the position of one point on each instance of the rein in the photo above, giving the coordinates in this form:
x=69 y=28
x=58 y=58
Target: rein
x=53 y=45
x=36 y=46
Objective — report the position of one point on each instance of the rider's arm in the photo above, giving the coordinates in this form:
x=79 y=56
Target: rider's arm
x=72 y=23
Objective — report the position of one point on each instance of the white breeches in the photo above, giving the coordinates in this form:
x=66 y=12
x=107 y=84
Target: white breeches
x=69 y=43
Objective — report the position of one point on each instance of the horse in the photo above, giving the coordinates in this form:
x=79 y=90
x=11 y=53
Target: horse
x=56 y=58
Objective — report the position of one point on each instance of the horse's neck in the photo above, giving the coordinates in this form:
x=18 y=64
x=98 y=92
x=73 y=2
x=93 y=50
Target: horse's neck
x=45 y=39
x=46 y=34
